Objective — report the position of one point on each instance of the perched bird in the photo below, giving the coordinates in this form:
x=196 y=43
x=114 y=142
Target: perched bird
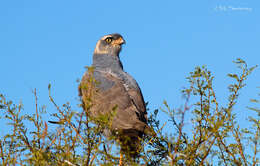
x=117 y=89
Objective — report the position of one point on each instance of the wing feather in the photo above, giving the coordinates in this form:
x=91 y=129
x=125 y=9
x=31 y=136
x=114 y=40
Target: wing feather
x=130 y=111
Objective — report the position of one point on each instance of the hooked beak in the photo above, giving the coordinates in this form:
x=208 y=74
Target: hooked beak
x=122 y=41
x=119 y=41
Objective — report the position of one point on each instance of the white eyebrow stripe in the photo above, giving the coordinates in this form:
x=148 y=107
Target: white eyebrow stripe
x=104 y=37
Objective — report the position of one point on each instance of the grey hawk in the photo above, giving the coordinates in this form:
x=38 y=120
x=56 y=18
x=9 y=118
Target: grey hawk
x=117 y=89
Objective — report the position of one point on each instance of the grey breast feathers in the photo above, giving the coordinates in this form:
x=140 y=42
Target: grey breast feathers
x=130 y=107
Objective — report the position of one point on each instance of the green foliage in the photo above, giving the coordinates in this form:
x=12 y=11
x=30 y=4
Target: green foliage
x=214 y=138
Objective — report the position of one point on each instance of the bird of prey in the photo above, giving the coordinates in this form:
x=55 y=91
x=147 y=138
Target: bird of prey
x=116 y=88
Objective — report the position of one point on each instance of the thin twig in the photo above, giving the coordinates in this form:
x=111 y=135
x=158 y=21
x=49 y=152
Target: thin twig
x=255 y=144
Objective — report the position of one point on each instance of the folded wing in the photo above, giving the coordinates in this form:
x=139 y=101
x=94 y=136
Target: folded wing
x=112 y=92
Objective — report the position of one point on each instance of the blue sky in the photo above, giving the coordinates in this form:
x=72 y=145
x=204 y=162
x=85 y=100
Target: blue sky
x=44 y=42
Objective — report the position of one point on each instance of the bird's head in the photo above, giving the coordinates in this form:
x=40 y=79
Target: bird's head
x=109 y=44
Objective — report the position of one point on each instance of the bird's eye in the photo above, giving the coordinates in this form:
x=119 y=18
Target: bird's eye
x=109 y=40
